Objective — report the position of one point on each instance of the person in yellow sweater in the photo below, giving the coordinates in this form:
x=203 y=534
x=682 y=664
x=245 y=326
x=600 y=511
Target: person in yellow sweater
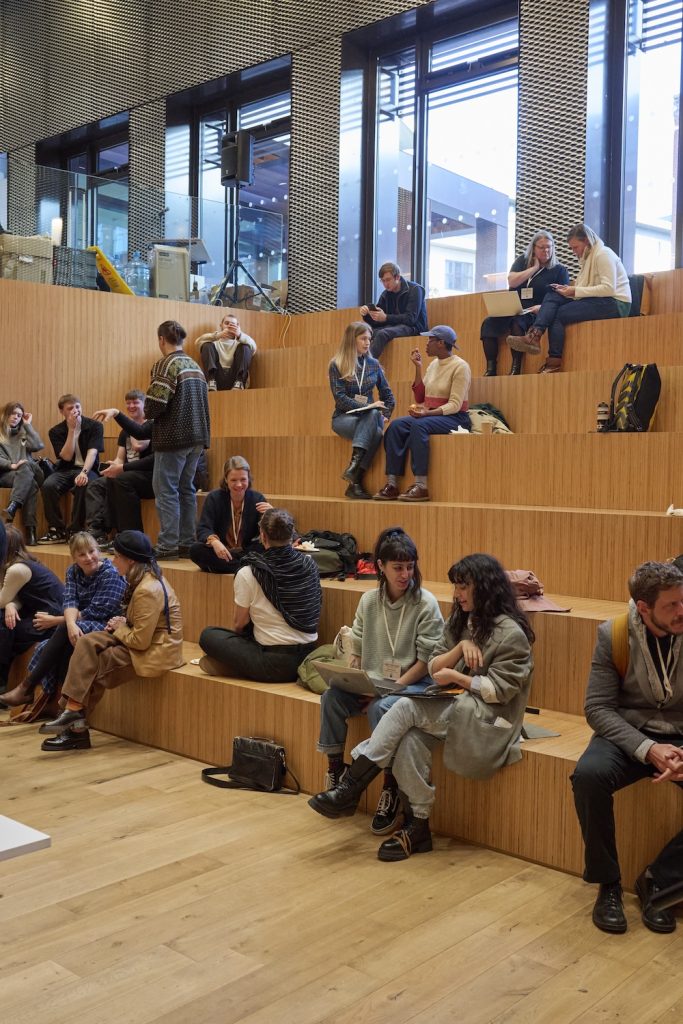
x=440 y=406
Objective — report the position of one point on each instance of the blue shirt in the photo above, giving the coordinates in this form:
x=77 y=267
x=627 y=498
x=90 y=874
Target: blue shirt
x=364 y=383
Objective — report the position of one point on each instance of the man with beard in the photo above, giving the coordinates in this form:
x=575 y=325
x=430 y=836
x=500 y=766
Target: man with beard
x=634 y=704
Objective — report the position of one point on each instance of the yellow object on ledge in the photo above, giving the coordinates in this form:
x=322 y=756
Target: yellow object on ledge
x=109 y=272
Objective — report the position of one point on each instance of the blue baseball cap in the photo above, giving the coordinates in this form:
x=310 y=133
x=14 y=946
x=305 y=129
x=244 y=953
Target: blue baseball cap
x=445 y=334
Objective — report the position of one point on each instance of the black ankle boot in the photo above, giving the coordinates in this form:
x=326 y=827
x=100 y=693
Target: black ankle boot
x=516 y=368
x=351 y=471
x=342 y=802
x=414 y=837
x=11 y=511
x=491 y=368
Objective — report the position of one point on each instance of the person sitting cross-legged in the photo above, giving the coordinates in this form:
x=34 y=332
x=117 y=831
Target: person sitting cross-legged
x=484 y=653
x=278 y=599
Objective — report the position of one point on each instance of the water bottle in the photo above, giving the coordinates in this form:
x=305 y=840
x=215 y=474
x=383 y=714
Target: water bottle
x=136 y=274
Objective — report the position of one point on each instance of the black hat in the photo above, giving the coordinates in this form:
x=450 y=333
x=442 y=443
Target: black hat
x=134 y=544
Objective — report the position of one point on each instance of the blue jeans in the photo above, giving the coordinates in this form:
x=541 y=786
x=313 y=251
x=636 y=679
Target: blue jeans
x=411 y=434
x=363 y=429
x=337 y=706
x=175 y=498
x=557 y=312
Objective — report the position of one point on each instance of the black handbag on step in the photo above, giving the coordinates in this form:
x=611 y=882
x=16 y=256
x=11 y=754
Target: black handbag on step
x=257 y=764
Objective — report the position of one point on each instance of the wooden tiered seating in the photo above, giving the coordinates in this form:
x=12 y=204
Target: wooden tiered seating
x=579 y=509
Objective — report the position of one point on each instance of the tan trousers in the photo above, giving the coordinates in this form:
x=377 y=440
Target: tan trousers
x=100 y=662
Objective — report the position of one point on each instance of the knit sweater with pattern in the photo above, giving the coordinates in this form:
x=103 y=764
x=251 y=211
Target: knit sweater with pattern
x=177 y=402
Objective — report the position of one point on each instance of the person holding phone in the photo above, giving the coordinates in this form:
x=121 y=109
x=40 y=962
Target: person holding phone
x=601 y=291
x=400 y=310
x=354 y=376
x=226 y=356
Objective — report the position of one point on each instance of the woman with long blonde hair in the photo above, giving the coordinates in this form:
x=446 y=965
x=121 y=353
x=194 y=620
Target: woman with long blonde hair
x=354 y=376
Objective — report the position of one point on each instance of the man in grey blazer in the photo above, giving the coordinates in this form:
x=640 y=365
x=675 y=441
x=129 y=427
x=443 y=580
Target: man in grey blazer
x=634 y=704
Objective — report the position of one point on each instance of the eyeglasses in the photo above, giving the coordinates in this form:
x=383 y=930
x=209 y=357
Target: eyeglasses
x=544 y=248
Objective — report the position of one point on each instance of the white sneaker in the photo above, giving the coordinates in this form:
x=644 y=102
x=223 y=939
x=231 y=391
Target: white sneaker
x=212 y=385
x=238 y=386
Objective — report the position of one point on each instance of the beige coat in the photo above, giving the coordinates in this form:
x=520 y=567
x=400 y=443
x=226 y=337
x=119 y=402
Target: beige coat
x=153 y=650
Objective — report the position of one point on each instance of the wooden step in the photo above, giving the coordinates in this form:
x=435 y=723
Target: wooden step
x=579 y=471
x=562 y=653
x=525 y=810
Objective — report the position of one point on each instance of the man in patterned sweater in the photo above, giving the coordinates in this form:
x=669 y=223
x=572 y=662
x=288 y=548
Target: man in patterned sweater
x=177 y=405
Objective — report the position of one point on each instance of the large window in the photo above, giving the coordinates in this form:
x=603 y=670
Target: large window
x=444 y=178
x=653 y=76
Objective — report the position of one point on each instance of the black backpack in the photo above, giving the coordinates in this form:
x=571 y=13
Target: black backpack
x=635 y=393
x=337 y=553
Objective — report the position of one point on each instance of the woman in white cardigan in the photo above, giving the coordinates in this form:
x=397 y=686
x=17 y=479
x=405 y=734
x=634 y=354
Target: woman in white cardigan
x=601 y=291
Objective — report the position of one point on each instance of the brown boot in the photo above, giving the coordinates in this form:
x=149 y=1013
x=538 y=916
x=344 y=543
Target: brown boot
x=553 y=364
x=531 y=342
x=21 y=694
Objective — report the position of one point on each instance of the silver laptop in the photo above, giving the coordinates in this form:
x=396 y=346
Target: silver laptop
x=502 y=303
x=355 y=680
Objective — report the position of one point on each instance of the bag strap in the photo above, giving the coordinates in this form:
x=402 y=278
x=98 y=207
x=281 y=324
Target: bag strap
x=620 y=648
x=615 y=385
x=210 y=775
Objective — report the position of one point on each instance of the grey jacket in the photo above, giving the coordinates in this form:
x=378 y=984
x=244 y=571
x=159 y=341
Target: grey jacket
x=26 y=440
x=618 y=709
x=476 y=747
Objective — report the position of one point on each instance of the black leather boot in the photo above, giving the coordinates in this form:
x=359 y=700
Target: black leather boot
x=342 y=802
x=351 y=471
x=491 y=368
x=414 y=837
x=31 y=536
x=516 y=368
x=11 y=510
x=355 y=490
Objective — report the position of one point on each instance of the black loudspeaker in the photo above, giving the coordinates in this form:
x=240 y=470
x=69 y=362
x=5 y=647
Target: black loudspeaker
x=237 y=159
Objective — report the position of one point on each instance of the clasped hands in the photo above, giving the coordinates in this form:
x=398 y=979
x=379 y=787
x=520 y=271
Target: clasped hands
x=668 y=760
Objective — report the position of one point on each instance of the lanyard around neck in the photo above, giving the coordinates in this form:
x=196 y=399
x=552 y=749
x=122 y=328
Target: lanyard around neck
x=394 y=642
x=362 y=376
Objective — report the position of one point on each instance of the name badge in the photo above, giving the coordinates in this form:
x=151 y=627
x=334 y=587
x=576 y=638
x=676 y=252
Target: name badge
x=527 y=293
x=391 y=669
x=360 y=399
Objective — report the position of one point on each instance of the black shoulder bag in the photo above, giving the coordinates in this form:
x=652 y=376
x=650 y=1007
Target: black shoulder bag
x=257 y=764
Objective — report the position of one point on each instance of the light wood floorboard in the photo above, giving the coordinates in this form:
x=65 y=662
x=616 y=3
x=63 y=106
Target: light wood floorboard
x=163 y=901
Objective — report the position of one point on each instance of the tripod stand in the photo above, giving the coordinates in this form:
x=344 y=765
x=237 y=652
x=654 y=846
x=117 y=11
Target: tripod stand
x=236 y=264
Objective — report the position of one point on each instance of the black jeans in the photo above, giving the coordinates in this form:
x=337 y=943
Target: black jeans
x=126 y=493
x=57 y=484
x=208 y=561
x=244 y=658
x=601 y=770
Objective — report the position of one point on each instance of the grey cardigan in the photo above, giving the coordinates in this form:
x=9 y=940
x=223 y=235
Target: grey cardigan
x=26 y=440
x=618 y=709
x=475 y=746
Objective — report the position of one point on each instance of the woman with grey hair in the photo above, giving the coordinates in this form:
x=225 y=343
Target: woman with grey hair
x=601 y=291
x=531 y=276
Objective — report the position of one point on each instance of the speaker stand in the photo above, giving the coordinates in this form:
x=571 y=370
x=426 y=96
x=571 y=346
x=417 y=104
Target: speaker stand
x=228 y=279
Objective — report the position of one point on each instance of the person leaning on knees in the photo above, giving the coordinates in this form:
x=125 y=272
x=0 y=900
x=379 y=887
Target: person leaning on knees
x=277 y=603
x=395 y=630
x=145 y=641
x=634 y=705
x=28 y=588
x=226 y=356
x=354 y=375
x=601 y=291
x=440 y=407
x=485 y=654
x=92 y=594
x=77 y=442
x=18 y=469
x=228 y=527
x=531 y=276
x=401 y=310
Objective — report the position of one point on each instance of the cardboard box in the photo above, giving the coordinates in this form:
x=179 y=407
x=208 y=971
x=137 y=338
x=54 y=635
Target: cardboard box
x=26 y=258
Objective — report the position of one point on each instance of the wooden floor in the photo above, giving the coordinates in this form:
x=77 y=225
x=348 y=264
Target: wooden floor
x=164 y=901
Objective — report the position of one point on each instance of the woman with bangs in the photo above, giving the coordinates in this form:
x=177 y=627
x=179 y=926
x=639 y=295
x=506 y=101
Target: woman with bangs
x=484 y=655
x=531 y=275
x=92 y=594
x=395 y=630
x=18 y=469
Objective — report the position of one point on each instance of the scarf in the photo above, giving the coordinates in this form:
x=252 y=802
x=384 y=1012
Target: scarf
x=291 y=582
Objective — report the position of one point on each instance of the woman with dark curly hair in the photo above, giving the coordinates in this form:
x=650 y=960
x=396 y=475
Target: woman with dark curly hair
x=484 y=656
